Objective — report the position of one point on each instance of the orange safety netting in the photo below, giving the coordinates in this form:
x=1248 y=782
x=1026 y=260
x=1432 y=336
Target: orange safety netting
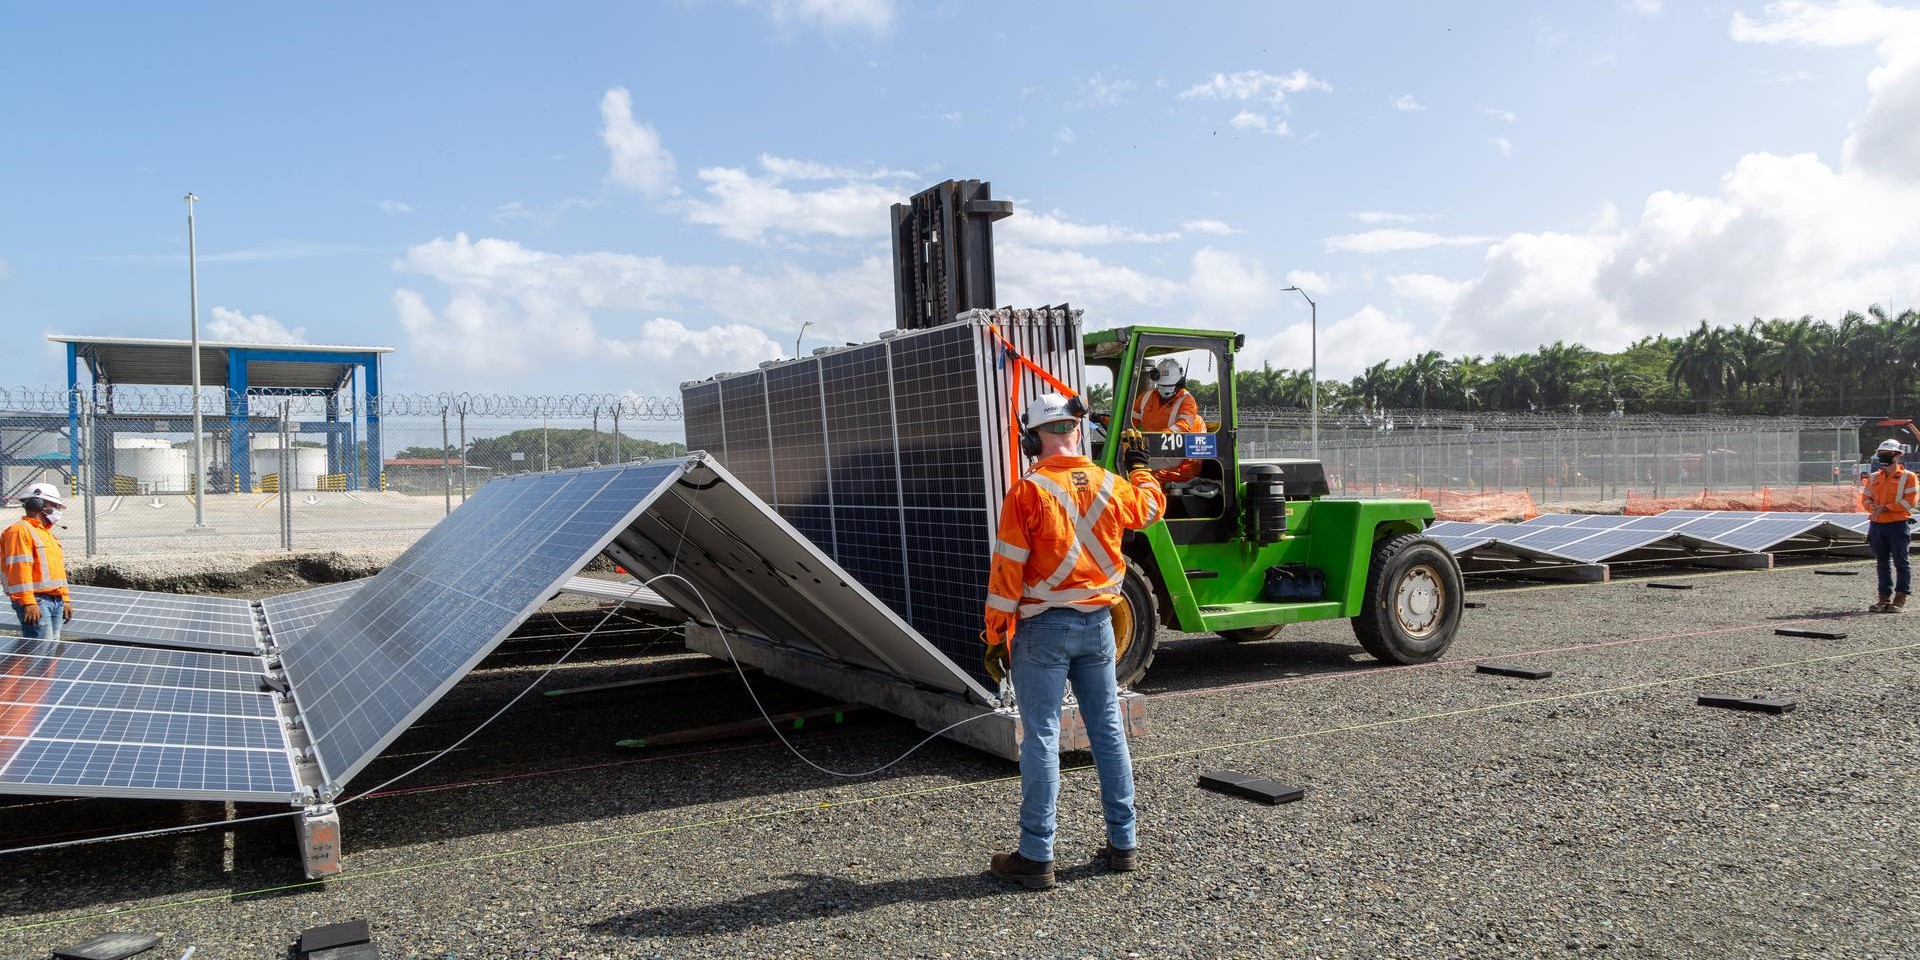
x=1467 y=507
x=1808 y=499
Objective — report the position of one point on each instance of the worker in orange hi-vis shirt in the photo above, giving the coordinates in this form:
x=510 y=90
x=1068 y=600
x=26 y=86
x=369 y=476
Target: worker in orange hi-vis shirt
x=1057 y=573
x=35 y=567
x=1165 y=406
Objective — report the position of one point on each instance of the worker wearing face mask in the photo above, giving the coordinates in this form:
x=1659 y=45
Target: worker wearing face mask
x=35 y=566
x=1892 y=496
x=1168 y=408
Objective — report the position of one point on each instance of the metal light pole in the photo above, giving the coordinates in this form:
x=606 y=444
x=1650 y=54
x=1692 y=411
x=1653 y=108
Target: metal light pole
x=1313 y=312
x=804 y=324
x=199 y=439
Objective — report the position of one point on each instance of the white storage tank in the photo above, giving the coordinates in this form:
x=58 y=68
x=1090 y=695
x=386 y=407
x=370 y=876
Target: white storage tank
x=153 y=463
x=309 y=463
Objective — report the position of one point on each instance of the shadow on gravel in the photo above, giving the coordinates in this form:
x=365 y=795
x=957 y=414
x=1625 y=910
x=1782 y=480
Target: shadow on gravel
x=1205 y=661
x=814 y=896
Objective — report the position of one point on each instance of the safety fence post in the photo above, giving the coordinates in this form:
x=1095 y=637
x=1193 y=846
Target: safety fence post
x=90 y=525
x=446 y=463
x=463 y=451
x=287 y=480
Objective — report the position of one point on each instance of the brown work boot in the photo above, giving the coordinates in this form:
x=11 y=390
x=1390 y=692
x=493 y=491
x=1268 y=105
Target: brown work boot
x=1898 y=604
x=1121 y=861
x=1032 y=874
x=1882 y=605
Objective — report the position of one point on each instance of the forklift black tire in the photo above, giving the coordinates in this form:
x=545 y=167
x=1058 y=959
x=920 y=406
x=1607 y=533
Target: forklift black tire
x=1253 y=634
x=1413 y=601
x=1136 y=628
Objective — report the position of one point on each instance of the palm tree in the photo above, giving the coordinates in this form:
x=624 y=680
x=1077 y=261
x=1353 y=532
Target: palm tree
x=1426 y=376
x=1705 y=363
x=1793 y=354
x=1555 y=369
x=1375 y=385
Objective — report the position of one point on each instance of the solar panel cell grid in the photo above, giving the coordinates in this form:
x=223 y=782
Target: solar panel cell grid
x=366 y=671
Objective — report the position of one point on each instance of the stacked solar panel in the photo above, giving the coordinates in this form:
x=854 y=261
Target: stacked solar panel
x=892 y=456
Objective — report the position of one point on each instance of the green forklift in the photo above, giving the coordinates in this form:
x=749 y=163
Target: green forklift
x=1247 y=545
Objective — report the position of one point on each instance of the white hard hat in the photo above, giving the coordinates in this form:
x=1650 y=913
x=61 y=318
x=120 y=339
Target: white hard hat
x=47 y=492
x=1050 y=408
x=1170 y=370
x=1893 y=445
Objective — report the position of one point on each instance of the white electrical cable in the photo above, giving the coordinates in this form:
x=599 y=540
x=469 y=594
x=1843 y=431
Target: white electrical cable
x=722 y=632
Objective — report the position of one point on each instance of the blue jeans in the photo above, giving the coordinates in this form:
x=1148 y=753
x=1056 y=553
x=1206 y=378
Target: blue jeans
x=1890 y=542
x=48 y=628
x=1050 y=650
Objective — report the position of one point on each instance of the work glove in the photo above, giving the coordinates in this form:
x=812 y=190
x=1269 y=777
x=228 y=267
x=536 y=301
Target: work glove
x=1133 y=450
x=998 y=660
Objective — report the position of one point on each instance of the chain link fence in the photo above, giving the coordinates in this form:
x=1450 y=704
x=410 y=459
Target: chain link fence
x=297 y=472
x=289 y=473
x=1561 y=459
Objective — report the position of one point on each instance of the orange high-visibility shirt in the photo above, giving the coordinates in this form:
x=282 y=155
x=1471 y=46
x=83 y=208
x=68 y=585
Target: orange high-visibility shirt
x=1177 y=414
x=1892 y=494
x=33 y=562
x=1059 y=542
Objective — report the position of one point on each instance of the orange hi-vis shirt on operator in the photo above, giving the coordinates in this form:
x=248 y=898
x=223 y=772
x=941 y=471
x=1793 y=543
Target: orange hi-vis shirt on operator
x=1059 y=540
x=1892 y=494
x=1177 y=414
x=35 y=565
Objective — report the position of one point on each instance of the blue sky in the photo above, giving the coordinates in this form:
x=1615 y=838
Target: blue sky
x=616 y=197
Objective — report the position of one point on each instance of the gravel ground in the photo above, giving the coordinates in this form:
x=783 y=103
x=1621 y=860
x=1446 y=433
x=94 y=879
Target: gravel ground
x=1449 y=813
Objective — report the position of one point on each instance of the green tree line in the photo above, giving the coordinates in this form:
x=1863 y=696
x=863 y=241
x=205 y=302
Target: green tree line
x=1864 y=363
x=561 y=449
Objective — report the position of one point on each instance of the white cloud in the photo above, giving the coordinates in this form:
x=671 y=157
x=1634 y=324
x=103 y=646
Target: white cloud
x=511 y=210
x=748 y=207
x=1255 y=85
x=1260 y=123
x=610 y=319
x=953 y=118
x=1347 y=346
x=1434 y=292
x=1064 y=136
x=1228 y=287
x=1501 y=144
x=1313 y=283
x=1605 y=58
x=1054 y=229
x=394 y=207
x=1407 y=103
x=1504 y=116
x=875 y=16
x=234 y=326
x=1884 y=140
x=638 y=159
x=1395 y=241
x=1781 y=236
x=1099 y=91
x=1382 y=216
x=1645 y=8
x=1217 y=228
x=786 y=168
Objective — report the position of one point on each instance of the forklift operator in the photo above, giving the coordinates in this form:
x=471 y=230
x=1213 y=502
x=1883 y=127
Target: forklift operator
x=1165 y=406
x=1057 y=573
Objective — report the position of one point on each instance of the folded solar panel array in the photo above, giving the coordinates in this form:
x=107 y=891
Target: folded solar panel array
x=341 y=671
x=1599 y=539
x=892 y=456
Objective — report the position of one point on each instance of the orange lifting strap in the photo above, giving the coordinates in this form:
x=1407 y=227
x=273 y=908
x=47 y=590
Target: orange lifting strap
x=1019 y=360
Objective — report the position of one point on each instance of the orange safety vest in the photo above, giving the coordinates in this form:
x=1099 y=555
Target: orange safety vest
x=1177 y=414
x=1059 y=542
x=35 y=565
x=1892 y=495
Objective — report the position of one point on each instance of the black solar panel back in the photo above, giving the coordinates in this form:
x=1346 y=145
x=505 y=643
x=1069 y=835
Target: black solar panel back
x=891 y=456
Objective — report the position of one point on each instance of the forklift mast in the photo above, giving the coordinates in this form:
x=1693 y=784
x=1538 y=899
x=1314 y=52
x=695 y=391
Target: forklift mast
x=943 y=252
